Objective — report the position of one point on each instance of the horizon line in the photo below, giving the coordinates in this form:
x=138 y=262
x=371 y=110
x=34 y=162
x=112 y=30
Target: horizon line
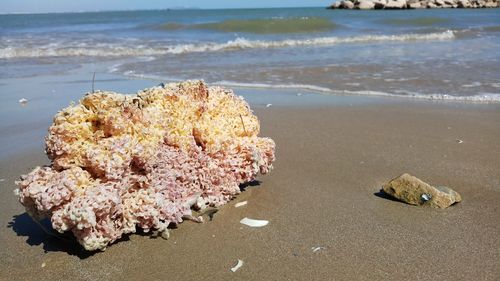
x=156 y=9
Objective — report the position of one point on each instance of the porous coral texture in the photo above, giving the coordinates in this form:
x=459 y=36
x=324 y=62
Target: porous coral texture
x=121 y=162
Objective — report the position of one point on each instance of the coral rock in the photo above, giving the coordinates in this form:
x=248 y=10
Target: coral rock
x=121 y=162
x=413 y=191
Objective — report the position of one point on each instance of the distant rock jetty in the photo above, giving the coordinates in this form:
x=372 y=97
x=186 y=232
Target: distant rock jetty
x=412 y=4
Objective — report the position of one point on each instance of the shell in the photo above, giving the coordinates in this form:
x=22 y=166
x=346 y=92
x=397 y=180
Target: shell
x=237 y=266
x=254 y=223
x=239 y=204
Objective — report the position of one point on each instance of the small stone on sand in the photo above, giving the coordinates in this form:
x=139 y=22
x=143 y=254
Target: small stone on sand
x=412 y=190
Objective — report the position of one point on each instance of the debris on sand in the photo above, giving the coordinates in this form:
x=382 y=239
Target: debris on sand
x=316 y=249
x=239 y=204
x=237 y=266
x=254 y=223
x=412 y=190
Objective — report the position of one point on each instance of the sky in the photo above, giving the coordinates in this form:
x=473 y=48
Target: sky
x=46 y=6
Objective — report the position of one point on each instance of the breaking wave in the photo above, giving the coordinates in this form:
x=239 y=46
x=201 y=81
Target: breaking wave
x=113 y=50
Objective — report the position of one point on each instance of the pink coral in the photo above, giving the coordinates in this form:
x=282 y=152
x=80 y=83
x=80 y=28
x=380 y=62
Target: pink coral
x=123 y=162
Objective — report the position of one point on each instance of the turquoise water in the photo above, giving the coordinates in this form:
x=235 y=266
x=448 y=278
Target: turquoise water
x=441 y=54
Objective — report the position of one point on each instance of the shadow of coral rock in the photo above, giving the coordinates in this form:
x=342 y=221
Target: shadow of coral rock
x=23 y=225
x=246 y=185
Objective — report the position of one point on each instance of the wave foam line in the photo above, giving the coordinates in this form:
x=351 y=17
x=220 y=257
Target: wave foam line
x=480 y=98
x=275 y=86
x=237 y=44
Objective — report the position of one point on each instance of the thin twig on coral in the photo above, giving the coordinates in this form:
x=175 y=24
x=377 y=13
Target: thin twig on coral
x=93 y=80
x=243 y=123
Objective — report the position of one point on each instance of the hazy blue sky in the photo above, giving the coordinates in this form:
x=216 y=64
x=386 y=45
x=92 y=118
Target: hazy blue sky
x=43 y=6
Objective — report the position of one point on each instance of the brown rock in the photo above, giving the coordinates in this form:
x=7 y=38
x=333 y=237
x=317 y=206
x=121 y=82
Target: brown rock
x=490 y=4
x=412 y=190
x=415 y=5
x=364 y=5
x=379 y=4
x=395 y=4
x=347 y=5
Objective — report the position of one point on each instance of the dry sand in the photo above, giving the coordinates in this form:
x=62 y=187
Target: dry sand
x=323 y=192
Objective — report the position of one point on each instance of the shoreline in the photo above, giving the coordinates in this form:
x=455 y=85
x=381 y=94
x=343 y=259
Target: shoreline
x=333 y=155
x=25 y=126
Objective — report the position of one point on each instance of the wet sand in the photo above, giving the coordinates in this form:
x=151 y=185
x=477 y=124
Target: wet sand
x=324 y=192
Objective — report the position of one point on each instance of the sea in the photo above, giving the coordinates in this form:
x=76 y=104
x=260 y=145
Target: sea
x=441 y=54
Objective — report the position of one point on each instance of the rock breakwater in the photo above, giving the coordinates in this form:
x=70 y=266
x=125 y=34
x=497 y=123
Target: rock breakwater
x=412 y=4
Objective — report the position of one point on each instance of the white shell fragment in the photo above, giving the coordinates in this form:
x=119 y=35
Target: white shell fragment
x=237 y=266
x=315 y=249
x=254 y=223
x=459 y=141
x=2 y=180
x=269 y=105
x=239 y=204
x=23 y=101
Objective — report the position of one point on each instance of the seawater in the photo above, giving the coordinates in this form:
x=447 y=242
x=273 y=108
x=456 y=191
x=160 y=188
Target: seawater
x=437 y=54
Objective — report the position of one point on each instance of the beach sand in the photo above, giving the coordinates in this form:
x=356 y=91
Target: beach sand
x=332 y=160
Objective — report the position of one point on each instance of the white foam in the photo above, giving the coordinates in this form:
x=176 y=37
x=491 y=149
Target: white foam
x=113 y=50
x=480 y=98
x=275 y=86
x=400 y=79
x=471 y=85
